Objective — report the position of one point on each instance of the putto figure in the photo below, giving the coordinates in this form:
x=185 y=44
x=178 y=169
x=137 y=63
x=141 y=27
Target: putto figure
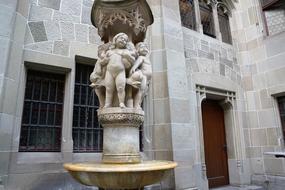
x=140 y=73
x=120 y=64
x=120 y=59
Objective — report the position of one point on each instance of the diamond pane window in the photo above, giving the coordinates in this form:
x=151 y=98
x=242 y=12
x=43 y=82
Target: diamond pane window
x=187 y=13
x=86 y=132
x=274 y=16
x=42 y=112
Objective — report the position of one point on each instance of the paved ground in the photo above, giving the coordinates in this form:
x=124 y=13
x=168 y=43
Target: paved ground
x=239 y=188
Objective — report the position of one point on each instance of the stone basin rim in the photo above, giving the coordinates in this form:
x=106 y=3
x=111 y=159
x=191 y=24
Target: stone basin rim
x=146 y=166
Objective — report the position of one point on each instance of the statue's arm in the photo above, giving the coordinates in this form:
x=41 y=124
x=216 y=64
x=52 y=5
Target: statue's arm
x=129 y=57
x=137 y=64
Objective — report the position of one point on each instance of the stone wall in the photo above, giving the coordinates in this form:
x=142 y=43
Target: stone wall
x=261 y=59
x=60 y=27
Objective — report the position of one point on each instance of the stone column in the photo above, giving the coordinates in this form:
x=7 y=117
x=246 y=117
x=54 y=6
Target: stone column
x=121 y=134
x=199 y=26
x=216 y=21
x=13 y=14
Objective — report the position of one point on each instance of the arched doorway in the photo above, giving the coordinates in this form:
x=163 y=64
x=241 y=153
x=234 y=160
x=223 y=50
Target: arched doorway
x=215 y=146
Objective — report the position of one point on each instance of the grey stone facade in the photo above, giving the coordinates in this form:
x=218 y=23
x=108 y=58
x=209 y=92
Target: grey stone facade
x=187 y=68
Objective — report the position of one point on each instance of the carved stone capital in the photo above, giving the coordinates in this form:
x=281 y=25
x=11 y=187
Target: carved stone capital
x=133 y=17
x=118 y=116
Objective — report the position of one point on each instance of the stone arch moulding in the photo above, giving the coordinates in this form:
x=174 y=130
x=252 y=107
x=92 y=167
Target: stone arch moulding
x=227 y=100
x=228 y=5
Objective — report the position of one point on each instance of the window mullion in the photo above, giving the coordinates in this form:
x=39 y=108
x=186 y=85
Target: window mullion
x=216 y=21
x=198 y=21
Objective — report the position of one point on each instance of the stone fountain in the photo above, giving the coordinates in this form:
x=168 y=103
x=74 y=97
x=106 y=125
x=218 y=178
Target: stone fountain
x=120 y=79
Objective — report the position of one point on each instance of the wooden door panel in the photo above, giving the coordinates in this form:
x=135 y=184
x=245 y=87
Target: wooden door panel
x=215 y=144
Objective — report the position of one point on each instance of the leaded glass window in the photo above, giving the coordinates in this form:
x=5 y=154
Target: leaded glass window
x=42 y=113
x=274 y=16
x=187 y=13
x=224 y=25
x=86 y=132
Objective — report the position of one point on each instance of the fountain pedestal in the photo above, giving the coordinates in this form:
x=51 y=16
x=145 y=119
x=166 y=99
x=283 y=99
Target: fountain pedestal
x=121 y=134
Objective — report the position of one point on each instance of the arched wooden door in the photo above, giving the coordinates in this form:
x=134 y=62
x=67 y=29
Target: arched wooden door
x=215 y=144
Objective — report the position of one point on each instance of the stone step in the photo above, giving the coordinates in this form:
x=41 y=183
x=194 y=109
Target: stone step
x=249 y=187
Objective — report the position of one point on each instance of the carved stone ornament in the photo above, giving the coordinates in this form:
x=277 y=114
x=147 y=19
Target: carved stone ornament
x=133 y=117
x=128 y=15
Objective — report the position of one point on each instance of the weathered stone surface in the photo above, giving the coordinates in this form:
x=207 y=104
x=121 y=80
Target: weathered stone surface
x=52 y=30
x=7 y=19
x=59 y=16
x=121 y=134
x=53 y=4
x=38 y=31
x=71 y=7
x=61 y=48
x=222 y=69
x=23 y=8
x=67 y=30
x=205 y=54
x=94 y=38
x=4 y=54
x=38 y=13
x=45 y=47
x=81 y=32
x=88 y=3
x=85 y=17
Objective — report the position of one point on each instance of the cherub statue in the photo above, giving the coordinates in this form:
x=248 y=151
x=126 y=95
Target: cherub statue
x=98 y=75
x=140 y=74
x=120 y=59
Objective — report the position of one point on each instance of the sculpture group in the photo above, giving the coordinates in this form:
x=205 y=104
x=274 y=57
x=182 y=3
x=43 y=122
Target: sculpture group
x=122 y=73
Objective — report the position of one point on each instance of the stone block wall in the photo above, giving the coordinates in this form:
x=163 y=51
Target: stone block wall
x=261 y=59
x=209 y=56
x=59 y=26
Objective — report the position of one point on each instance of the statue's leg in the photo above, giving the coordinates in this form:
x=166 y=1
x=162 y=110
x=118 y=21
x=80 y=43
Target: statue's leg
x=121 y=85
x=129 y=96
x=139 y=95
x=110 y=87
x=101 y=96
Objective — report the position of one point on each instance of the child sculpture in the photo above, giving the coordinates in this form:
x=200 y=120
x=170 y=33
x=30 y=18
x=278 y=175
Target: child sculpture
x=140 y=73
x=120 y=59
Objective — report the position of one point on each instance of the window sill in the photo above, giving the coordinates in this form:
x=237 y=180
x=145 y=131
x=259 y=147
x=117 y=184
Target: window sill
x=39 y=157
x=276 y=154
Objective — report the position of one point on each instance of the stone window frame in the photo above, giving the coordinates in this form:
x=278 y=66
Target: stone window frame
x=215 y=4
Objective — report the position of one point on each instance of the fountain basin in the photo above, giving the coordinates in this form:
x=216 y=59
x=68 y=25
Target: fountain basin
x=120 y=176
